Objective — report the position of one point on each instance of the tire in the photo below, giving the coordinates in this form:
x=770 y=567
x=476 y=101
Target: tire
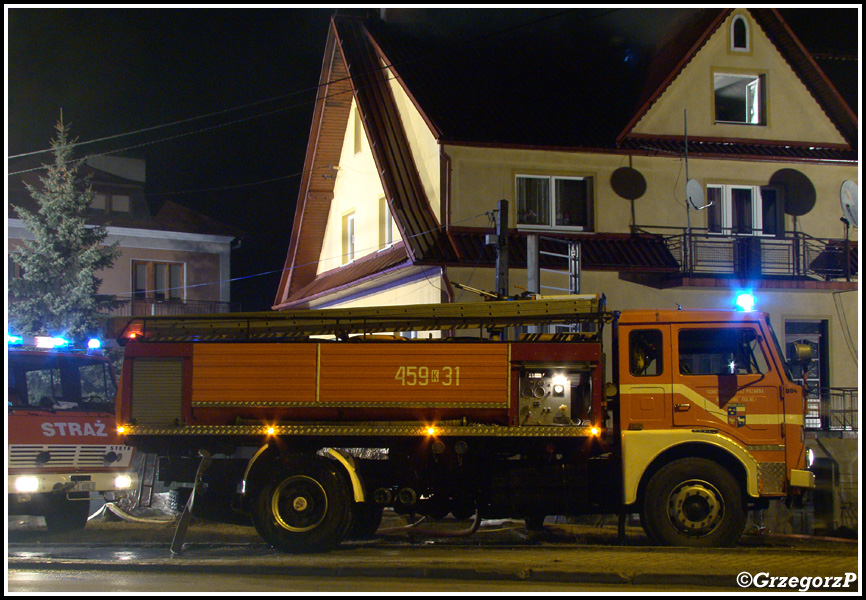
x=366 y=518
x=693 y=502
x=305 y=507
x=63 y=515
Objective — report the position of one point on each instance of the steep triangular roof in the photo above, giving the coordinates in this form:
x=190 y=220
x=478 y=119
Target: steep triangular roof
x=353 y=70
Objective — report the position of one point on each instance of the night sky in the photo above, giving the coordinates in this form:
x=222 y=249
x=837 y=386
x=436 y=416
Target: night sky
x=226 y=97
x=118 y=71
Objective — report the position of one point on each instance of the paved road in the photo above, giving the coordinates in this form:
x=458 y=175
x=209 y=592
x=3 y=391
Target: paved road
x=499 y=552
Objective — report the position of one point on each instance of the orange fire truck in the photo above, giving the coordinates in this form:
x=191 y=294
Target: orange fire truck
x=698 y=421
x=62 y=438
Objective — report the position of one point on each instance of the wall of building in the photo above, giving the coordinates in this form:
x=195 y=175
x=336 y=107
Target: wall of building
x=483 y=176
x=357 y=190
x=791 y=112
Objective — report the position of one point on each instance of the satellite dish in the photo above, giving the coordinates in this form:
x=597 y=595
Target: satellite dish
x=848 y=197
x=800 y=193
x=628 y=183
x=695 y=195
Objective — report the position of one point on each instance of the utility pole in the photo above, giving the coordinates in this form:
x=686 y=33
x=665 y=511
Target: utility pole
x=502 y=249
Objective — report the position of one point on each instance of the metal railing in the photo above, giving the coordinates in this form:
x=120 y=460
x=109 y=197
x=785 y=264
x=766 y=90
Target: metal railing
x=796 y=255
x=158 y=308
x=835 y=411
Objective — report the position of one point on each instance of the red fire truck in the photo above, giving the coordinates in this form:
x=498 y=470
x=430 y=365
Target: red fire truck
x=689 y=418
x=62 y=442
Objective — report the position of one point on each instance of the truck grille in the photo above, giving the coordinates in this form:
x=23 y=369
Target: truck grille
x=157 y=386
x=67 y=457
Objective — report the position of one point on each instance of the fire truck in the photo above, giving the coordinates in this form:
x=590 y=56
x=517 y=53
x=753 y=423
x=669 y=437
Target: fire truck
x=62 y=437
x=689 y=418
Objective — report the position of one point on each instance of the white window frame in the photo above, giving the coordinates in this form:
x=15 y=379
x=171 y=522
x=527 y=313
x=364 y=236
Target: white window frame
x=551 y=203
x=754 y=98
x=386 y=224
x=349 y=238
x=748 y=46
x=726 y=210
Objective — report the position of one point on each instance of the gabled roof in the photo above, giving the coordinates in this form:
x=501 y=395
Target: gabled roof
x=566 y=79
x=143 y=214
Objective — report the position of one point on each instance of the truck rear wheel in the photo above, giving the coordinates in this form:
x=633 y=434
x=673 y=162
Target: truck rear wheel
x=693 y=502
x=63 y=515
x=305 y=507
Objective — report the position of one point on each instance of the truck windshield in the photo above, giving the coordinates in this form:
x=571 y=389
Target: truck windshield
x=60 y=382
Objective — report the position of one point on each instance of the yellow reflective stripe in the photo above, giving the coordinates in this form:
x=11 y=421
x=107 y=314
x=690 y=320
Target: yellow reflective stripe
x=721 y=414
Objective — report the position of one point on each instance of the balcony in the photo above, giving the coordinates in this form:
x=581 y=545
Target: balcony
x=834 y=411
x=794 y=257
x=145 y=308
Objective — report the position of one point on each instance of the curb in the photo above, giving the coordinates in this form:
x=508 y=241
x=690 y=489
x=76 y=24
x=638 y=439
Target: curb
x=177 y=565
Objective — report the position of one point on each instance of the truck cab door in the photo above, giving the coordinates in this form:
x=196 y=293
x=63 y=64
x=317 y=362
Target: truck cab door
x=725 y=381
x=645 y=377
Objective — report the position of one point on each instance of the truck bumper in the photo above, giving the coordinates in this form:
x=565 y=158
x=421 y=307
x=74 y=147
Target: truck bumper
x=802 y=479
x=25 y=484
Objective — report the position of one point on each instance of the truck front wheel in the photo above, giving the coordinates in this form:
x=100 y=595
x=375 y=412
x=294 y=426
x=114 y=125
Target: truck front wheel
x=305 y=507
x=693 y=502
x=63 y=515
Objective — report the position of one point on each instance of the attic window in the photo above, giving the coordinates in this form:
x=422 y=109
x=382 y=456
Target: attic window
x=740 y=34
x=739 y=98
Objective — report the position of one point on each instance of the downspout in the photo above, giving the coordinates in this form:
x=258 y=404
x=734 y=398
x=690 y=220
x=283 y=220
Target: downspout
x=445 y=207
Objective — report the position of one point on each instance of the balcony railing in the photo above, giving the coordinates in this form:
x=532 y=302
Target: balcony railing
x=145 y=308
x=834 y=411
x=796 y=255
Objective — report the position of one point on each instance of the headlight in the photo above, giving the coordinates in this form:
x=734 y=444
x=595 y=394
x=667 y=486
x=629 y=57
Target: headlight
x=27 y=484
x=810 y=458
x=122 y=482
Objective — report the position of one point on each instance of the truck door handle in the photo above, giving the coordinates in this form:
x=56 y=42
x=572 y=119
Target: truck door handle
x=682 y=407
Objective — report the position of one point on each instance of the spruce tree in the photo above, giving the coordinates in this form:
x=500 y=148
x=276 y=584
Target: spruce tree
x=57 y=292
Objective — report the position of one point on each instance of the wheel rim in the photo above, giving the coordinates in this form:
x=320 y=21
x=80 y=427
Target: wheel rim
x=299 y=503
x=696 y=508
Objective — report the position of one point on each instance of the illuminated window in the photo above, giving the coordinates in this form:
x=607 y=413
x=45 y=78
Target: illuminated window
x=157 y=281
x=110 y=202
x=554 y=202
x=348 y=238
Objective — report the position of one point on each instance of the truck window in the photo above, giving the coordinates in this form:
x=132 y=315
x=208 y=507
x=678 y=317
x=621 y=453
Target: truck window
x=61 y=383
x=721 y=352
x=645 y=352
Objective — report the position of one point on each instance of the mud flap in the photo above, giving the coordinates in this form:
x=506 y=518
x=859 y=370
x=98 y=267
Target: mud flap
x=186 y=515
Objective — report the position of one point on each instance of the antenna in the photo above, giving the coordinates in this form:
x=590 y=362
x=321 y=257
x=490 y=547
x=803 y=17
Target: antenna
x=848 y=198
x=694 y=191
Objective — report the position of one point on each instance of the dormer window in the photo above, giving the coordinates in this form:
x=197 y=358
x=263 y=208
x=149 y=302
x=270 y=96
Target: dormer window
x=740 y=34
x=111 y=202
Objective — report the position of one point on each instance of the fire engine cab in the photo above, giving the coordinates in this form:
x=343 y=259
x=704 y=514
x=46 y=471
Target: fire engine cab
x=62 y=438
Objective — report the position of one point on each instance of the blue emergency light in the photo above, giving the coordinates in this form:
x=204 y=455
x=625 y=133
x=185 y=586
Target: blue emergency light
x=745 y=301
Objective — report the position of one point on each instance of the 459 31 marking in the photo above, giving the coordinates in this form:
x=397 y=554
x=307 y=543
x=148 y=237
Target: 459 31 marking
x=421 y=375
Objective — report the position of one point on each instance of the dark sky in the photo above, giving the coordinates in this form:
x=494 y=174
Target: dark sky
x=117 y=71
x=242 y=84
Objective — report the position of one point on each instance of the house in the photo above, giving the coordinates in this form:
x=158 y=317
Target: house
x=669 y=157
x=173 y=260
x=418 y=135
